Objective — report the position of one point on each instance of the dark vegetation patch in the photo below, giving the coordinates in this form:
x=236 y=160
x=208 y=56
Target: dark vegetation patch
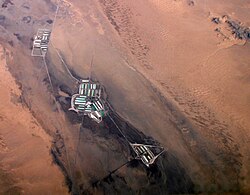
x=49 y=21
x=6 y=3
x=26 y=19
x=166 y=177
x=58 y=153
x=190 y=2
x=26 y=6
x=2 y=20
x=18 y=36
x=11 y=43
x=51 y=5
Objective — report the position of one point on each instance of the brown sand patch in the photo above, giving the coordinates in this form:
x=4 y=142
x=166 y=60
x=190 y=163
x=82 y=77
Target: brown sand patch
x=24 y=146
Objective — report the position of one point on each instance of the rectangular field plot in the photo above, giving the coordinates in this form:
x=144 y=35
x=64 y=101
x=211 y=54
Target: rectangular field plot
x=40 y=43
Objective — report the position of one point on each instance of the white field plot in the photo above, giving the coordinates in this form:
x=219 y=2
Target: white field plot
x=40 y=43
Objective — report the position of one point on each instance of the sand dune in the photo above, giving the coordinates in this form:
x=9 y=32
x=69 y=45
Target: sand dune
x=191 y=64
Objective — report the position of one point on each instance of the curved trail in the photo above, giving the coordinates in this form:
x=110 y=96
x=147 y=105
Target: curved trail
x=59 y=110
x=65 y=65
x=57 y=10
x=57 y=106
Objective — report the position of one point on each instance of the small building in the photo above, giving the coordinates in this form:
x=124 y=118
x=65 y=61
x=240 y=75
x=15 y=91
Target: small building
x=145 y=154
x=40 y=43
x=88 y=100
x=90 y=90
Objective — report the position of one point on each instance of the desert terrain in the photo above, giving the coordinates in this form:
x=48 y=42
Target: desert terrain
x=176 y=73
x=26 y=163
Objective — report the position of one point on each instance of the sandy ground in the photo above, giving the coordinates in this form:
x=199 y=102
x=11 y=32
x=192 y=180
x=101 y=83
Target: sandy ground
x=168 y=70
x=206 y=74
x=24 y=146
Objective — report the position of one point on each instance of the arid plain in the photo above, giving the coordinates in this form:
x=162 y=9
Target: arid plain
x=176 y=72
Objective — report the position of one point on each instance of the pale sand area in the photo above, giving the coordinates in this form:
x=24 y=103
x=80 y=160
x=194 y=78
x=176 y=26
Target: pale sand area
x=177 y=47
x=205 y=74
x=26 y=165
